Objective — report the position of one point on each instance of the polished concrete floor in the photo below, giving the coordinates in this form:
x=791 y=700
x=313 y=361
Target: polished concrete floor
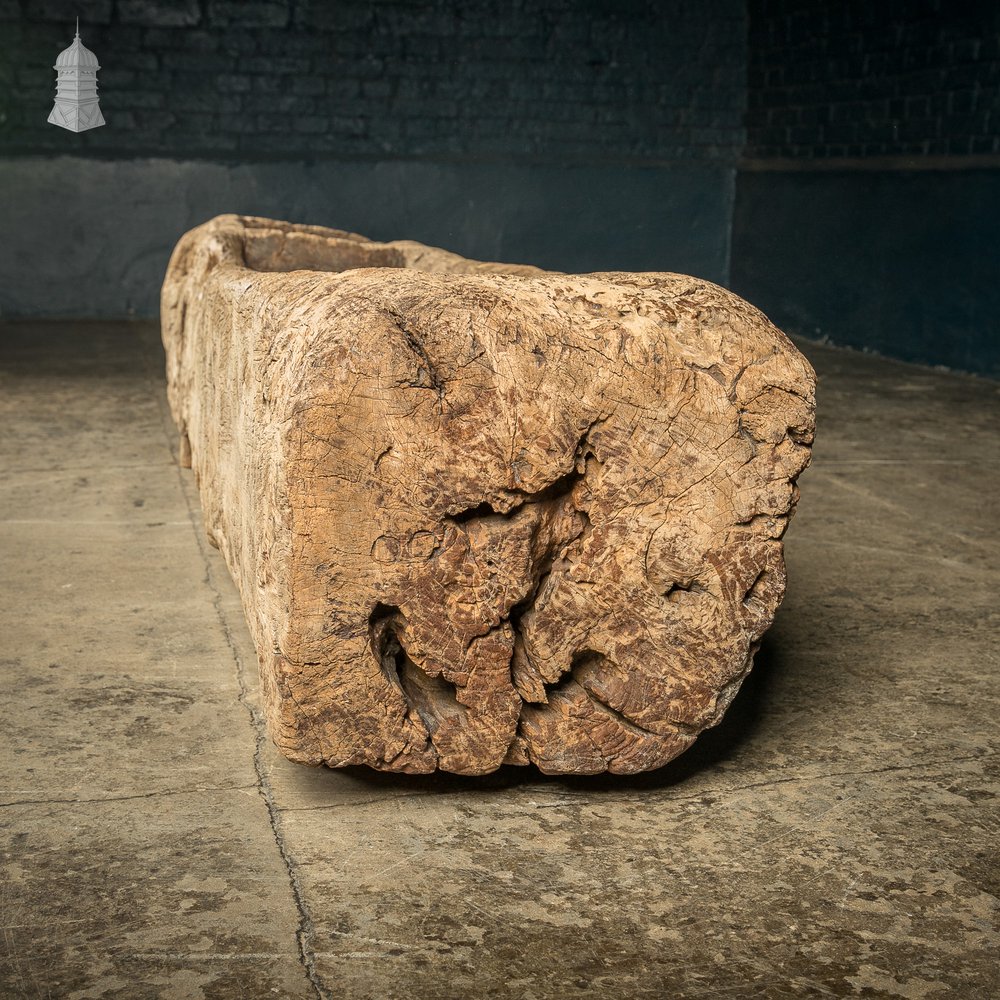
x=837 y=835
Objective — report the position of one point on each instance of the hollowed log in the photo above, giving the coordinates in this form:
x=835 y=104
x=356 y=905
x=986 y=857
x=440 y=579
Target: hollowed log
x=483 y=513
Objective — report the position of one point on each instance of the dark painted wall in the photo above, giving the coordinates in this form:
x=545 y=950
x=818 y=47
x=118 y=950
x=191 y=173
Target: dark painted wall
x=873 y=78
x=554 y=79
x=904 y=263
x=576 y=79
x=575 y=134
x=868 y=204
x=124 y=217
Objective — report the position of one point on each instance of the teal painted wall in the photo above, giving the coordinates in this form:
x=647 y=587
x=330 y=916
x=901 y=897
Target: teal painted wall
x=86 y=237
x=906 y=263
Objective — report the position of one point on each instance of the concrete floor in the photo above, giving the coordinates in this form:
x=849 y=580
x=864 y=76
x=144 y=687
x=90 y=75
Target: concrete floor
x=836 y=835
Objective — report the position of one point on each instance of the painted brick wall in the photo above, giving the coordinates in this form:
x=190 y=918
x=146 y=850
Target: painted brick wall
x=861 y=78
x=552 y=80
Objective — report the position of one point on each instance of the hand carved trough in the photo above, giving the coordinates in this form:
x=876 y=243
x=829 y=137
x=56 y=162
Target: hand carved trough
x=483 y=513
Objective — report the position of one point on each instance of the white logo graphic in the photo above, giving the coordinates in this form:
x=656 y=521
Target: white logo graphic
x=76 y=106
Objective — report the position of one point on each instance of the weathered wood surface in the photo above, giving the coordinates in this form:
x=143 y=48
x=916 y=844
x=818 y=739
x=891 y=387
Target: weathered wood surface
x=482 y=513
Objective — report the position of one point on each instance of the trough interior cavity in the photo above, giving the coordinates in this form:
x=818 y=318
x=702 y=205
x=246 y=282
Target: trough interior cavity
x=277 y=250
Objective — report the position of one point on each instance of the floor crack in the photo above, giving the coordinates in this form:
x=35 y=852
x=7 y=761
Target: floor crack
x=306 y=930
x=126 y=798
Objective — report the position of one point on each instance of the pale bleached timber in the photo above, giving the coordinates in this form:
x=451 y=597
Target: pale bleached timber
x=483 y=513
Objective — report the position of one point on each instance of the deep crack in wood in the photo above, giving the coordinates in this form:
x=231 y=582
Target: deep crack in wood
x=483 y=513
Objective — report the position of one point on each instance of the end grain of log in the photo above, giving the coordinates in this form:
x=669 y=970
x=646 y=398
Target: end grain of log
x=482 y=513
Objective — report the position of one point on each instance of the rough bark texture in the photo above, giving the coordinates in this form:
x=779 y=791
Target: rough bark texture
x=483 y=513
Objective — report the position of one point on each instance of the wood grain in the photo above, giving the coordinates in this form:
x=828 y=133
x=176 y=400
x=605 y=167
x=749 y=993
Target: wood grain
x=483 y=513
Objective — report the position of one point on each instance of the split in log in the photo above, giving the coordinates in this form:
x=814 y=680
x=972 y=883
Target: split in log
x=483 y=513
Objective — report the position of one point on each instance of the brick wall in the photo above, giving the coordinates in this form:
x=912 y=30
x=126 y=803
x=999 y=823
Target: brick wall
x=555 y=80
x=862 y=78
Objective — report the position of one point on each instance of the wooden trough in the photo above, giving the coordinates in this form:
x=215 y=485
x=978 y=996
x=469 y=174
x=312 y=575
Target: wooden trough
x=483 y=513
